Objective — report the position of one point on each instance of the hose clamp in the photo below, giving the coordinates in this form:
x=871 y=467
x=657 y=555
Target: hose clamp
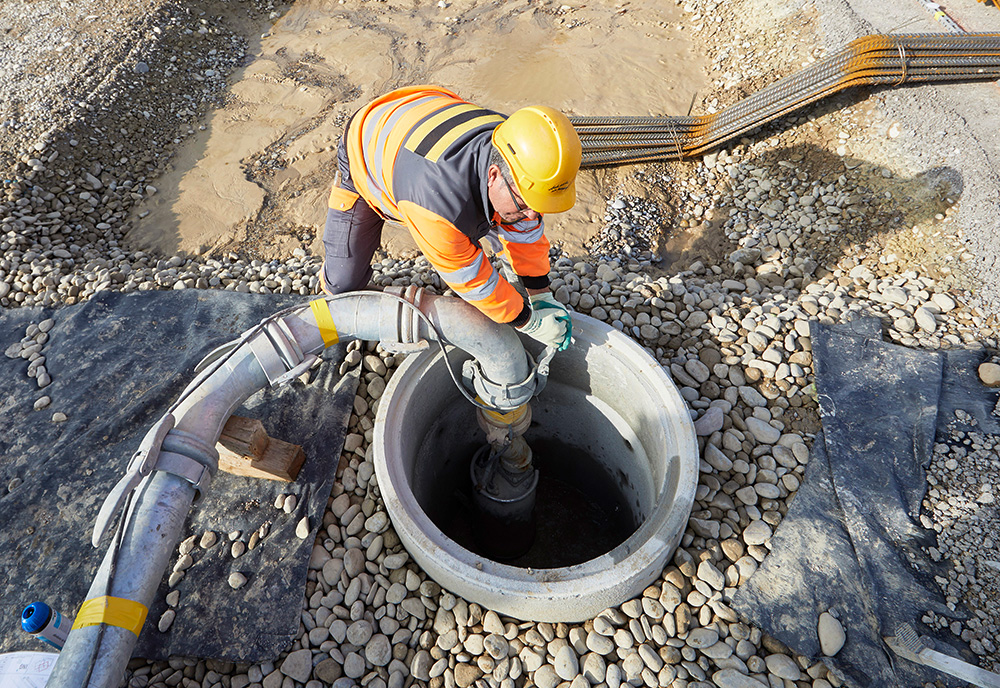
x=505 y=397
x=192 y=470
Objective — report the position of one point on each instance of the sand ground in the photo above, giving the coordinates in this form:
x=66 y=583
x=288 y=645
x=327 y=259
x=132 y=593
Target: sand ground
x=256 y=177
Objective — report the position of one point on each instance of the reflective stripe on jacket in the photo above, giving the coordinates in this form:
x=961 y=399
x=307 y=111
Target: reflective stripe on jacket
x=420 y=156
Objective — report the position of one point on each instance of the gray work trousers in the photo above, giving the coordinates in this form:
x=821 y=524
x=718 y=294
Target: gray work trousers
x=351 y=236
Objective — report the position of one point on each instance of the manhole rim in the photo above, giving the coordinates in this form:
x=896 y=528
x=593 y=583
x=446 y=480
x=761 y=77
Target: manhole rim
x=572 y=593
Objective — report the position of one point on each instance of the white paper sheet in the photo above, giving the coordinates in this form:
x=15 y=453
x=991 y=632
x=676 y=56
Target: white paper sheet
x=26 y=669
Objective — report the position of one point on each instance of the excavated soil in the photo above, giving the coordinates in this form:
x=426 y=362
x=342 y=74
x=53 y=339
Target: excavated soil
x=256 y=179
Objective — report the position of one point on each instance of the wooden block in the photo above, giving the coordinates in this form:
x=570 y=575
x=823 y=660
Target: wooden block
x=280 y=461
x=243 y=452
x=244 y=436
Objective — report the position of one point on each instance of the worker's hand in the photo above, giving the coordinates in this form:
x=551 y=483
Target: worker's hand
x=550 y=322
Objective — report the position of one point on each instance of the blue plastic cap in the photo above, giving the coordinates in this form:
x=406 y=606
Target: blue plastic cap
x=35 y=616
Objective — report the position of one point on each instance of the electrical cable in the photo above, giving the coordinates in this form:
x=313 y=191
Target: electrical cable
x=115 y=550
x=225 y=356
x=115 y=547
x=439 y=337
x=441 y=340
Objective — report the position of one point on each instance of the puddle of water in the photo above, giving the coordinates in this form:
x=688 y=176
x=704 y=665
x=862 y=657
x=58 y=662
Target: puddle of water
x=579 y=515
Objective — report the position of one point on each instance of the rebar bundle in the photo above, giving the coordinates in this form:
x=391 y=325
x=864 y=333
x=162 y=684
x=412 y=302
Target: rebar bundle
x=885 y=60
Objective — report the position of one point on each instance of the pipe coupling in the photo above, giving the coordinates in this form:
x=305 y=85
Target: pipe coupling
x=279 y=354
x=164 y=448
x=501 y=428
x=407 y=325
x=501 y=396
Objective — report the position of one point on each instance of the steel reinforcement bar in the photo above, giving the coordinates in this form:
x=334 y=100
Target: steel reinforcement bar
x=883 y=60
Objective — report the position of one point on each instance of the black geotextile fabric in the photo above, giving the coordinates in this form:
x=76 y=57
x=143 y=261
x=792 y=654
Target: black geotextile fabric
x=852 y=539
x=117 y=362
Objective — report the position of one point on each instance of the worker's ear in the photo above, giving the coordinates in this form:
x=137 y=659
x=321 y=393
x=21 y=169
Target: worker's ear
x=491 y=174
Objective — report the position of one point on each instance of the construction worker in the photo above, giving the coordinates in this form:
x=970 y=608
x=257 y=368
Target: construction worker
x=453 y=173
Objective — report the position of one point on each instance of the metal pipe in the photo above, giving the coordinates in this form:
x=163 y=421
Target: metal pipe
x=205 y=411
x=96 y=656
x=373 y=317
x=155 y=523
x=153 y=528
x=498 y=349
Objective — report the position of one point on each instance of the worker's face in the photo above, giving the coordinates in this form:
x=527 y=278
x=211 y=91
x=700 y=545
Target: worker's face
x=505 y=199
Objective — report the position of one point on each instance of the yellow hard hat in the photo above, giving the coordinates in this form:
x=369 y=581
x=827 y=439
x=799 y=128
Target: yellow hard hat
x=543 y=152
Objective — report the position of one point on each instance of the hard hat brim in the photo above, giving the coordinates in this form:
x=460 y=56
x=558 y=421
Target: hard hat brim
x=550 y=202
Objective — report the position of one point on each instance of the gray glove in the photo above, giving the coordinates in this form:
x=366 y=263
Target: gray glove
x=550 y=322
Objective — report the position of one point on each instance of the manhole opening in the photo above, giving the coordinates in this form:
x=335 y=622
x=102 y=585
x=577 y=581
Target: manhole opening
x=592 y=482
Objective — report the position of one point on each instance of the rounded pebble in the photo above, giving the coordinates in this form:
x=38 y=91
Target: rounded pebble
x=831 y=634
x=166 y=620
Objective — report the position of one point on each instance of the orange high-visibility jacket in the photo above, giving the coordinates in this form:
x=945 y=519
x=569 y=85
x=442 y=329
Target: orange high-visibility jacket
x=419 y=156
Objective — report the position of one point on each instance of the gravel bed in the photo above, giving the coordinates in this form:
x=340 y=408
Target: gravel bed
x=371 y=616
x=962 y=508
x=55 y=55
x=800 y=243
x=631 y=231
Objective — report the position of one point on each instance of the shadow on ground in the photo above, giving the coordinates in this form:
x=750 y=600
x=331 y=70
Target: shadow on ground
x=856 y=205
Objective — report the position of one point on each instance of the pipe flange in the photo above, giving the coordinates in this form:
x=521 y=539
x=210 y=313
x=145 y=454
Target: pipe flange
x=409 y=322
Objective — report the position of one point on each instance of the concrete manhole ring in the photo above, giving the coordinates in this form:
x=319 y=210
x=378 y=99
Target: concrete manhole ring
x=644 y=435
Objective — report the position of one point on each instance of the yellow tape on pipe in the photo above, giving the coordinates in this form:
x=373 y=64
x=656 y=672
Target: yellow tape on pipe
x=324 y=320
x=113 y=611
